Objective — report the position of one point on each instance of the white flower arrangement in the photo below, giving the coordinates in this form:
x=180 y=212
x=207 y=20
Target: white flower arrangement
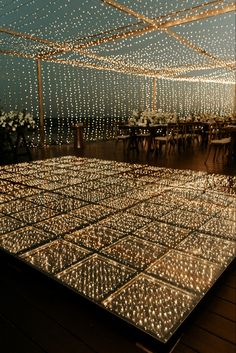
x=13 y=120
x=151 y=117
x=147 y=116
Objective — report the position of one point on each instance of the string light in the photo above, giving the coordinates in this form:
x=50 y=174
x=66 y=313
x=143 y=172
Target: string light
x=119 y=78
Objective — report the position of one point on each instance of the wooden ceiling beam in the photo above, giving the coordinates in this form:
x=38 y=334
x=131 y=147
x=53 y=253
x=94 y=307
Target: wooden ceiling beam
x=128 y=70
x=157 y=24
x=63 y=49
x=18 y=54
x=176 y=22
x=30 y=37
x=154 y=24
x=59 y=48
x=165 y=27
x=163 y=72
x=199 y=16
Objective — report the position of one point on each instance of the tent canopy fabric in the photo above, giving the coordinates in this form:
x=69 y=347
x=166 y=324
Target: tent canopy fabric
x=97 y=61
x=183 y=40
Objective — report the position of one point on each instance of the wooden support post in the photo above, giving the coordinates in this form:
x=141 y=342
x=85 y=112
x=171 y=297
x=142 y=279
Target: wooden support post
x=154 y=94
x=40 y=99
x=234 y=103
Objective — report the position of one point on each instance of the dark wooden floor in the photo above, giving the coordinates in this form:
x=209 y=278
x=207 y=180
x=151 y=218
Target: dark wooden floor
x=191 y=157
x=38 y=316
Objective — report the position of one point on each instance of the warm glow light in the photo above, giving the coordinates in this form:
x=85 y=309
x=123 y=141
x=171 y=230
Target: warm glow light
x=99 y=59
x=177 y=236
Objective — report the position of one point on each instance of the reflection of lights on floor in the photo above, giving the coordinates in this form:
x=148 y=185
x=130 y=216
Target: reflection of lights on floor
x=144 y=242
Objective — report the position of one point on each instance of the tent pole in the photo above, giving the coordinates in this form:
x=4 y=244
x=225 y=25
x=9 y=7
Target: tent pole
x=40 y=99
x=154 y=93
x=234 y=103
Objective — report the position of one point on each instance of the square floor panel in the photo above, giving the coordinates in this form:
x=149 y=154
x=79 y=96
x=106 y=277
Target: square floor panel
x=163 y=233
x=92 y=212
x=147 y=191
x=125 y=222
x=49 y=185
x=217 y=198
x=57 y=202
x=189 y=193
x=67 y=204
x=203 y=207
x=18 y=191
x=116 y=189
x=8 y=224
x=73 y=191
x=151 y=305
x=190 y=220
x=15 y=206
x=35 y=214
x=150 y=210
x=96 y=277
x=9 y=187
x=223 y=228
x=55 y=256
x=94 y=195
x=23 y=239
x=5 y=198
x=33 y=181
x=170 y=199
x=209 y=247
x=228 y=213
x=95 y=236
x=119 y=203
x=61 y=224
x=134 y=252
x=185 y=271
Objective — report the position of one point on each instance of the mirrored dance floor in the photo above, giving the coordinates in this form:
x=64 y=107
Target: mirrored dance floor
x=143 y=242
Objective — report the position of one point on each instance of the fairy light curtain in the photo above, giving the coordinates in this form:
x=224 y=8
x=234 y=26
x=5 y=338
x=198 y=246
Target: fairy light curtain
x=104 y=82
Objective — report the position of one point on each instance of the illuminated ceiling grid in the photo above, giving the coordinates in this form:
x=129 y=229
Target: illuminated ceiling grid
x=178 y=40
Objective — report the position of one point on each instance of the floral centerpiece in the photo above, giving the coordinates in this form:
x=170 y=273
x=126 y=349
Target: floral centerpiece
x=140 y=117
x=134 y=119
x=13 y=120
x=147 y=117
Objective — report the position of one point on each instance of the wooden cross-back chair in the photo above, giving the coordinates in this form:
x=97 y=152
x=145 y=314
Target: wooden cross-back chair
x=219 y=142
x=122 y=134
x=168 y=140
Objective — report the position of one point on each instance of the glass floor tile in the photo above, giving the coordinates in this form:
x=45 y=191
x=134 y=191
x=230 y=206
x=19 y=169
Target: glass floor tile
x=55 y=256
x=34 y=214
x=15 y=206
x=23 y=239
x=96 y=277
x=150 y=210
x=223 y=228
x=8 y=224
x=95 y=236
x=135 y=252
x=151 y=305
x=163 y=233
x=185 y=271
x=92 y=212
x=61 y=224
x=128 y=224
x=182 y=218
x=208 y=247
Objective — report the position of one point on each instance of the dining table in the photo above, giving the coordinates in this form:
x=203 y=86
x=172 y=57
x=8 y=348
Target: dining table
x=134 y=130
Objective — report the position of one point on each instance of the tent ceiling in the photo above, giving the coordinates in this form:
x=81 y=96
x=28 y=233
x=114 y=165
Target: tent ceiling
x=180 y=40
